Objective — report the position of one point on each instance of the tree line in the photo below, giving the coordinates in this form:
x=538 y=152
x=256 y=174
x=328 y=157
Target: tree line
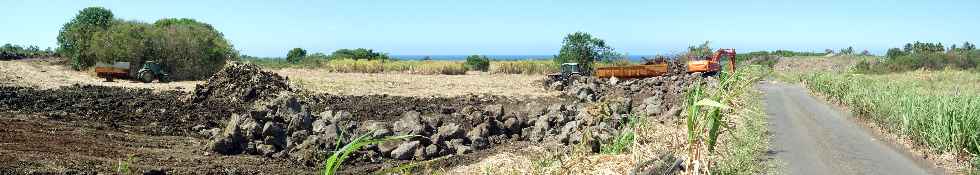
x=12 y=52
x=922 y=55
x=187 y=48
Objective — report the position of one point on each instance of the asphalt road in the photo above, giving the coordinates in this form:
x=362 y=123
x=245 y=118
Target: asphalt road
x=812 y=137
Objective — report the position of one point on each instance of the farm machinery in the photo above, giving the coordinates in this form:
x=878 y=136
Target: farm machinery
x=150 y=71
x=711 y=65
x=706 y=65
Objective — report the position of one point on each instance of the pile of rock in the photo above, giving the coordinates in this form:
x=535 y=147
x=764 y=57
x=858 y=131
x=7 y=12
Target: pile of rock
x=653 y=96
x=241 y=83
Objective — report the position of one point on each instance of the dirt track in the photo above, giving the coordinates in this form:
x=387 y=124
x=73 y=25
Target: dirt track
x=812 y=137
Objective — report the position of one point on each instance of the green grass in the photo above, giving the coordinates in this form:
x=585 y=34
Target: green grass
x=748 y=141
x=937 y=109
x=625 y=139
x=123 y=167
x=334 y=162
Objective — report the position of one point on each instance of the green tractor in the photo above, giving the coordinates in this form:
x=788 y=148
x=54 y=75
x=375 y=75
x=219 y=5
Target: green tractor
x=152 y=70
x=568 y=72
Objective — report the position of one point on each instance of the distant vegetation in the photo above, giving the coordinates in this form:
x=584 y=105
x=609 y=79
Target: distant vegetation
x=295 y=55
x=189 y=49
x=478 y=62
x=584 y=49
x=11 y=51
x=770 y=59
x=523 y=67
x=929 y=56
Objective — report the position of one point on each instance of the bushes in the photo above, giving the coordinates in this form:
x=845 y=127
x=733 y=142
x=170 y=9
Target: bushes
x=187 y=48
x=295 y=55
x=12 y=52
x=927 y=56
x=359 y=54
x=478 y=62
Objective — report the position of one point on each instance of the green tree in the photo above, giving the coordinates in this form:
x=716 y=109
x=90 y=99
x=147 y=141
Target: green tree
x=295 y=55
x=581 y=48
x=894 y=53
x=478 y=62
x=189 y=49
x=123 y=41
x=75 y=35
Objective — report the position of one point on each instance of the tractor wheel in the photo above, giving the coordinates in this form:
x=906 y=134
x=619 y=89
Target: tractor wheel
x=146 y=76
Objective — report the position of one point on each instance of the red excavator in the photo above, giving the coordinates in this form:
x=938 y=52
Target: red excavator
x=711 y=65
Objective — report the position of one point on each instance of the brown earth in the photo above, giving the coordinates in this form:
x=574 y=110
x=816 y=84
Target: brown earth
x=212 y=129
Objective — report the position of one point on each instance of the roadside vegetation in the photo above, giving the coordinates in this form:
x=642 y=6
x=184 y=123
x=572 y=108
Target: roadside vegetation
x=727 y=127
x=924 y=92
x=928 y=56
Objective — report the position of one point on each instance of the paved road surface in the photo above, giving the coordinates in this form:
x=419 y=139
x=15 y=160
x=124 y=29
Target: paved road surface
x=812 y=137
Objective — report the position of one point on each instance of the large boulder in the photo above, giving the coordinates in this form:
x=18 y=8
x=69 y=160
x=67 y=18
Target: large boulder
x=274 y=134
x=406 y=150
x=410 y=124
x=478 y=136
x=231 y=140
x=447 y=132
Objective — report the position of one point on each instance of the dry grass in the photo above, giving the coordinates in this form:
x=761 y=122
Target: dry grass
x=404 y=84
x=372 y=66
x=523 y=67
x=44 y=75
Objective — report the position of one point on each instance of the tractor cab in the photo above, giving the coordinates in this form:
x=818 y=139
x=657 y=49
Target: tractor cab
x=566 y=71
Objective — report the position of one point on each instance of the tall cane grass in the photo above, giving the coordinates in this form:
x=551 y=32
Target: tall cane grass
x=946 y=122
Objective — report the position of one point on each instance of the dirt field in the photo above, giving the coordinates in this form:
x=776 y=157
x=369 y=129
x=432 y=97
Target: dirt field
x=47 y=74
x=418 y=85
x=251 y=121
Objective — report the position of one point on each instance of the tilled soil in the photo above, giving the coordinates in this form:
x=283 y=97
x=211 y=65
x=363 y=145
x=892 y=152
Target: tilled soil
x=244 y=116
x=157 y=113
x=30 y=144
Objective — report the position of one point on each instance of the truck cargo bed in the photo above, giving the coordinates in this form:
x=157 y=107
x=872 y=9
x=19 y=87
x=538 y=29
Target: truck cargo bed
x=637 y=71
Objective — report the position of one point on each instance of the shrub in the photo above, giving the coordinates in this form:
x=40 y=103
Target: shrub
x=930 y=56
x=359 y=54
x=188 y=49
x=478 y=62
x=295 y=55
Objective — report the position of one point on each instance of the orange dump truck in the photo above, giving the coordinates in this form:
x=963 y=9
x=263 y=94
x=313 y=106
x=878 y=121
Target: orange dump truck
x=636 y=71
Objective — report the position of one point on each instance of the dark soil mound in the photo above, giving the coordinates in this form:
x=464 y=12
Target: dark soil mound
x=116 y=107
x=241 y=83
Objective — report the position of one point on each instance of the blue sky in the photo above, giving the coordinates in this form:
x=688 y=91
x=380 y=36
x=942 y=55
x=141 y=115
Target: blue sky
x=445 y=27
